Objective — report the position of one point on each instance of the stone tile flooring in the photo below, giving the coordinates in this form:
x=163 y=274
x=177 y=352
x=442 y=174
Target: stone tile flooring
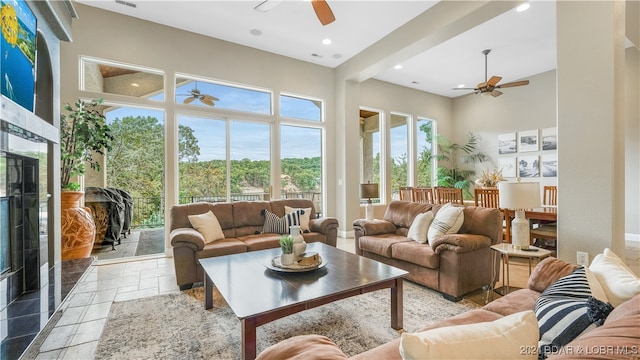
x=85 y=311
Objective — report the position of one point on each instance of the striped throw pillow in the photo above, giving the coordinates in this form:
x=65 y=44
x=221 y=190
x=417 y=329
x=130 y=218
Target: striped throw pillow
x=567 y=309
x=280 y=225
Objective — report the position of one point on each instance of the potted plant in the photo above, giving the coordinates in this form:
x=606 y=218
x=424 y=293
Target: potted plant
x=286 y=245
x=449 y=158
x=83 y=133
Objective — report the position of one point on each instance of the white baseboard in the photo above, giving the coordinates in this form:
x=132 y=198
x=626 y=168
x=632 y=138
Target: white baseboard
x=632 y=238
x=350 y=234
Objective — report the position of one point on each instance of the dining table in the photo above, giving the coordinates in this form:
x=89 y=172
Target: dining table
x=546 y=213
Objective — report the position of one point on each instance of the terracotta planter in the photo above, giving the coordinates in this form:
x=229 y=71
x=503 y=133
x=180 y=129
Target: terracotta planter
x=77 y=226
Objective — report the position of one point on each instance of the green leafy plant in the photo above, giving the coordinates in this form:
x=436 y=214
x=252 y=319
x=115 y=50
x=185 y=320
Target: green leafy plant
x=286 y=244
x=83 y=133
x=451 y=155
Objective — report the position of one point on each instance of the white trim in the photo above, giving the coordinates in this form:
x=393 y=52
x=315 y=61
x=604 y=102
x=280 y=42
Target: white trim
x=347 y=234
x=632 y=238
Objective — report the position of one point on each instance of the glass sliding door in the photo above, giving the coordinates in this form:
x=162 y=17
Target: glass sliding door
x=398 y=159
x=425 y=151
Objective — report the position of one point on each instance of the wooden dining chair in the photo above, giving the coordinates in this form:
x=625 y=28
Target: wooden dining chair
x=446 y=195
x=406 y=193
x=550 y=195
x=487 y=197
x=423 y=195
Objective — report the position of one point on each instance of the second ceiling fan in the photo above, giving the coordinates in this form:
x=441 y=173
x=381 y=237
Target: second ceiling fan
x=490 y=86
x=321 y=8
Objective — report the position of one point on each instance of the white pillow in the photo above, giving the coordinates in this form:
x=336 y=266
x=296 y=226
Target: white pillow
x=420 y=226
x=207 y=224
x=448 y=220
x=512 y=337
x=304 y=217
x=618 y=281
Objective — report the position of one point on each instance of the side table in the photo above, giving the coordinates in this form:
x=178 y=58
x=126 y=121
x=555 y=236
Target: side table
x=506 y=251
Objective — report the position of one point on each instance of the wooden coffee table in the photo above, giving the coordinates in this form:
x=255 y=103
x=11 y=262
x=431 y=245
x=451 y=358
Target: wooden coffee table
x=258 y=295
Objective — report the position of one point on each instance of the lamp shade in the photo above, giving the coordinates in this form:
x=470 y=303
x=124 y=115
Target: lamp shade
x=368 y=191
x=519 y=195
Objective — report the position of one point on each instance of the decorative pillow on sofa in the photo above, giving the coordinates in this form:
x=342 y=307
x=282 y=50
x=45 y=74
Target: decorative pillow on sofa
x=279 y=225
x=420 y=226
x=504 y=338
x=619 y=282
x=448 y=220
x=305 y=213
x=567 y=309
x=208 y=225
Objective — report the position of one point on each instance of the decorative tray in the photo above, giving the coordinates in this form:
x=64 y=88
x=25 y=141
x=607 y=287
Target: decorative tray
x=276 y=265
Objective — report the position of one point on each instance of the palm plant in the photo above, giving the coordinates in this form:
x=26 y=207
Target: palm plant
x=450 y=158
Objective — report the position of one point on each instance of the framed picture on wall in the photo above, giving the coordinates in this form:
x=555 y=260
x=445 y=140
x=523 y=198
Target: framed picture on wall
x=507 y=143
x=550 y=165
x=550 y=139
x=508 y=166
x=528 y=140
x=528 y=166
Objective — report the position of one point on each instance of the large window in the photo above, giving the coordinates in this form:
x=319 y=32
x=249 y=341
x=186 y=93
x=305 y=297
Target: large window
x=369 y=146
x=300 y=108
x=301 y=164
x=210 y=94
x=398 y=160
x=250 y=161
x=425 y=151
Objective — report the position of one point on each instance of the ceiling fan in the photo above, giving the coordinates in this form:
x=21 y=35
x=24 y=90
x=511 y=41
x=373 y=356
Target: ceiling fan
x=196 y=94
x=490 y=87
x=321 y=8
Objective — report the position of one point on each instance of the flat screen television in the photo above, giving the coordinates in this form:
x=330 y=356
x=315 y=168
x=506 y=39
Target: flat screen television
x=18 y=52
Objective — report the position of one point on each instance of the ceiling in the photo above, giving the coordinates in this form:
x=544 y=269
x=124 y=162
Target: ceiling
x=522 y=43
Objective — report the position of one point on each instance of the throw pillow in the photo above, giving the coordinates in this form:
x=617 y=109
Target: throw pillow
x=208 y=225
x=279 y=225
x=448 y=220
x=567 y=309
x=420 y=226
x=514 y=336
x=618 y=281
x=305 y=214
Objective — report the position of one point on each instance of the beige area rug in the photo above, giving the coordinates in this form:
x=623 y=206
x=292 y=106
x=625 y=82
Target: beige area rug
x=177 y=326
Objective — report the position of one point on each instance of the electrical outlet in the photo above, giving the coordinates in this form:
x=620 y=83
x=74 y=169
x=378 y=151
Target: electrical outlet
x=582 y=258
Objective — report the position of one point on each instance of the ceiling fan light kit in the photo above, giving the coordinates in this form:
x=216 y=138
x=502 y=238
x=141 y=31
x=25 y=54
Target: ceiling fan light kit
x=490 y=86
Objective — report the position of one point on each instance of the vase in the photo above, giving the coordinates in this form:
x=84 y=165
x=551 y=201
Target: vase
x=287 y=259
x=78 y=229
x=299 y=246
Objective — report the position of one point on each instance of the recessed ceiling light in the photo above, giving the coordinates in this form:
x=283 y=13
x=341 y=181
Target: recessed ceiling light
x=461 y=86
x=326 y=41
x=398 y=67
x=336 y=56
x=255 y=32
x=135 y=84
x=523 y=7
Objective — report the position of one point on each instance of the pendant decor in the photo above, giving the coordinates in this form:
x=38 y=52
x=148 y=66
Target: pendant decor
x=77 y=226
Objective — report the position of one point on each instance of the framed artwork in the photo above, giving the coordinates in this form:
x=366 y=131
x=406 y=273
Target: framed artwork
x=508 y=166
x=507 y=143
x=528 y=140
x=549 y=139
x=528 y=166
x=550 y=165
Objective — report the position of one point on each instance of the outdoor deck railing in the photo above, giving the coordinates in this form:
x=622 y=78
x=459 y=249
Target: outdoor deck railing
x=149 y=211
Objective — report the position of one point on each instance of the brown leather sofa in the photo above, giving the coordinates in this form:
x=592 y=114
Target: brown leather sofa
x=454 y=264
x=617 y=338
x=242 y=223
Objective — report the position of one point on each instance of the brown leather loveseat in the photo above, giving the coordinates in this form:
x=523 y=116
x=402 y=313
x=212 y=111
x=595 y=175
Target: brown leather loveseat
x=454 y=264
x=242 y=224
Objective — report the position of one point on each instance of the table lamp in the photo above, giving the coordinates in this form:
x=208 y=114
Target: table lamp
x=369 y=191
x=519 y=196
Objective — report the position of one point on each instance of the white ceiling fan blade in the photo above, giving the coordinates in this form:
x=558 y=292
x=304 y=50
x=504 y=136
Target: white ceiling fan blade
x=267 y=5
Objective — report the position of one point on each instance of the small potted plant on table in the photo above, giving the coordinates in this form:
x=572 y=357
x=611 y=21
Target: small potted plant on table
x=286 y=245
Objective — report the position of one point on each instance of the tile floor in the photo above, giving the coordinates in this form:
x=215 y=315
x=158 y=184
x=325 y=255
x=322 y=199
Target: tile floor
x=84 y=312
